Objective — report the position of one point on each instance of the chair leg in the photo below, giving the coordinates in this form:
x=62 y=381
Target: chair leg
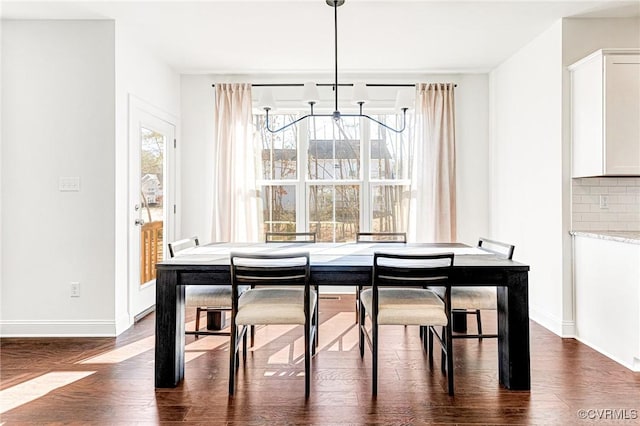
x=449 y=359
x=307 y=360
x=244 y=347
x=232 y=357
x=198 y=311
x=443 y=355
x=357 y=303
x=374 y=357
x=423 y=336
x=316 y=315
x=361 y=324
x=430 y=344
x=479 y=321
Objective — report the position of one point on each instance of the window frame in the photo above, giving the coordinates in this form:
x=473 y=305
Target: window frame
x=303 y=183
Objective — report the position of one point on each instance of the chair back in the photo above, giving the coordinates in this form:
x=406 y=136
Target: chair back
x=381 y=237
x=411 y=270
x=177 y=246
x=290 y=237
x=254 y=269
x=501 y=249
x=281 y=269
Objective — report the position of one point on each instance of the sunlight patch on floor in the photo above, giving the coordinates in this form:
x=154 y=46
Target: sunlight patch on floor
x=33 y=389
x=269 y=333
x=207 y=343
x=285 y=355
x=122 y=353
x=338 y=333
x=200 y=346
x=275 y=373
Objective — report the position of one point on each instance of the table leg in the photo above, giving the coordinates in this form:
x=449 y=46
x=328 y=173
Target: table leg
x=217 y=320
x=459 y=321
x=169 y=350
x=513 y=332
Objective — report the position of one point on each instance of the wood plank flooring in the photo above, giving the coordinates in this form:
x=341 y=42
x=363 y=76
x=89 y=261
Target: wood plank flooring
x=110 y=380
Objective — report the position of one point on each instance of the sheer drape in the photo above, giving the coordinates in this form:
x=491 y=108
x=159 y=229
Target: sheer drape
x=236 y=204
x=432 y=210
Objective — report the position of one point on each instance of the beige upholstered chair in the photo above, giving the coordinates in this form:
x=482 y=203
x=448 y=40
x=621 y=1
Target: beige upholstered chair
x=398 y=296
x=377 y=237
x=291 y=237
x=472 y=300
x=287 y=299
x=204 y=298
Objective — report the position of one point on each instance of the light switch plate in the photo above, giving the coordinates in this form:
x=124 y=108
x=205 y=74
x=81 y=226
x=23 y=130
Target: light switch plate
x=69 y=183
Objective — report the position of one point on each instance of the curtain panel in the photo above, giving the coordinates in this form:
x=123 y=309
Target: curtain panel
x=236 y=201
x=432 y=209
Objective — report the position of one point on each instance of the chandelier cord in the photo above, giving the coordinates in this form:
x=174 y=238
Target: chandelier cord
x=336 y=115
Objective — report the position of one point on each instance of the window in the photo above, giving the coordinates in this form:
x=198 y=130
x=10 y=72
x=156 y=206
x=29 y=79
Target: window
x=334 y=179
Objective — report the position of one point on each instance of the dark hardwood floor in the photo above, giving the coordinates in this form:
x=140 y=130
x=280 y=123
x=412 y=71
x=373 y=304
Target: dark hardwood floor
x=110 y=380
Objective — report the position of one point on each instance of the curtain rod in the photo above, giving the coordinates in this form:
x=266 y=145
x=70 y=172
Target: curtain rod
x=332 y=84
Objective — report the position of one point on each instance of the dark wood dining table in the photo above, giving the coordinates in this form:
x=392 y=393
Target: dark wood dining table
x=344 y=264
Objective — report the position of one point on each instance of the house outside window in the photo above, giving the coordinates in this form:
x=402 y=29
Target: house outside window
x=334 y=179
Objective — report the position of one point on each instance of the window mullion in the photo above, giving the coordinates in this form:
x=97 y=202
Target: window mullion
x=302 y=202
x=365 y=176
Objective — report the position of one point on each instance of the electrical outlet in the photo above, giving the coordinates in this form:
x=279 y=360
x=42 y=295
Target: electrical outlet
x=75 y=289
x=604 y=201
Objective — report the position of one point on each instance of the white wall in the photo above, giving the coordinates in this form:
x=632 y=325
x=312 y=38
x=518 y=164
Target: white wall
x=197 y=101
x=58 y=106
x=526 y=168
x=196 y=156
x=65 y=109
x=530 y=157
x=156 y=85
x=580 y=37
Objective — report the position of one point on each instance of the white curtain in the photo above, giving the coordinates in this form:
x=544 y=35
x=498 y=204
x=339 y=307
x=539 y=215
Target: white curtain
x=236 y=203
x=432 y=209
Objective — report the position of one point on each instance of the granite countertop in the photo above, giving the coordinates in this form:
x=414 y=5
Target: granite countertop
x=631 y=237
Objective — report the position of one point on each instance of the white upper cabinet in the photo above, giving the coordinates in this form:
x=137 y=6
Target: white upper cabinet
x=605 y=113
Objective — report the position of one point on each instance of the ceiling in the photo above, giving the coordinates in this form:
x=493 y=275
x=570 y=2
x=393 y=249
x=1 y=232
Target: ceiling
x=374 y=36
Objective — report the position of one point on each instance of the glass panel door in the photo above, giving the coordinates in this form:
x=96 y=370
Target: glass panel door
x=151 y=193
x=152 y=147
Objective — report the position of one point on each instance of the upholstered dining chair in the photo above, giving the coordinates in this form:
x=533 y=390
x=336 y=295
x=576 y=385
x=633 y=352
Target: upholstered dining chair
x=291 y=237
x=399 y=296
x=204 y=298
x=472 y=300
x=287 y=299
x=377 y=237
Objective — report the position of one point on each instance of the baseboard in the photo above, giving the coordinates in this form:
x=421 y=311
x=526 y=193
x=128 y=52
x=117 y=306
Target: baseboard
x=144 y=313
x=569 y=329
x=53 y=328
x=633 y=366
x=550 y=322
x=123 y=323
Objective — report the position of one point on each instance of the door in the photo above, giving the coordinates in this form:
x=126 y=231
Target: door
x=151 y=186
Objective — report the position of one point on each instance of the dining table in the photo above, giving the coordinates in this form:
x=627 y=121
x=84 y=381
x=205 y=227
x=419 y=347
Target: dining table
x=344 y=264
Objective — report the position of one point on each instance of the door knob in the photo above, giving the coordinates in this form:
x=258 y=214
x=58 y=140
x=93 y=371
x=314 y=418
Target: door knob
x=139 y=222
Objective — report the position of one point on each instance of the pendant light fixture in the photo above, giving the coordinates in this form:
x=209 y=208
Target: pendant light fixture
x=310 y=92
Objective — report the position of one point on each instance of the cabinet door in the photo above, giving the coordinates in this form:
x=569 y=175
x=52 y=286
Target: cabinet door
x=622 y=115
x=587 y=109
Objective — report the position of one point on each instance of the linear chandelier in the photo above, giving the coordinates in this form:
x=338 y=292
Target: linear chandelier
x=311 y=97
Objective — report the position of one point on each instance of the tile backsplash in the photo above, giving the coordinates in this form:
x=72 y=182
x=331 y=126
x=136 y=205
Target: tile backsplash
x=606 y=204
